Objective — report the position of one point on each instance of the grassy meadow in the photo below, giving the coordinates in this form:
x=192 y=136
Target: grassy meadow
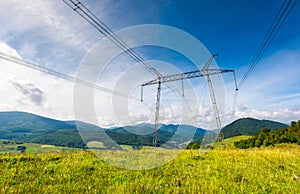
x=10 y=147
x=264 y=170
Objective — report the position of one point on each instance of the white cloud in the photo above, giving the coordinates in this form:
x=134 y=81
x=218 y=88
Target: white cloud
x=50 y=18
x=4 y=48
x=273 y=77
x=30 y=91
x=24 y=89
x=48 y=32
x=282 y=115
x=272 y=90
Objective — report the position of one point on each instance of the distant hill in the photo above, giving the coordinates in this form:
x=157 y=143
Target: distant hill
x=184 y=129
x=33 y=128
x=249 y=126
x=62 y=137
x=17 y=125
x=142 y=134
x=146 y=129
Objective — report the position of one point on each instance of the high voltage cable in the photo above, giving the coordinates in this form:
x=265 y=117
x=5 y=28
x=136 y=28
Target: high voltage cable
x=60 y=75
x=277 y=23
x=219 y=27
x=100 y=26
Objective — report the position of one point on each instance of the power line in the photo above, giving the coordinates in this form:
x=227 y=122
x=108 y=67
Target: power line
x=100 y=26
x=60 y=75
x=277 y=23
x=219 y=26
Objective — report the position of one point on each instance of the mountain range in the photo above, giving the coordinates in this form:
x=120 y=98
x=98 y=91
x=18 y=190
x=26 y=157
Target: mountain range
x=27 y=127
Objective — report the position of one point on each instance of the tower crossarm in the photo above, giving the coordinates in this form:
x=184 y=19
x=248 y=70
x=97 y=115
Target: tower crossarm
x=187 y=75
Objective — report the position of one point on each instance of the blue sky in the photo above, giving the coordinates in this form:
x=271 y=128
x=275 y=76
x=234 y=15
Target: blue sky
x=49 y=33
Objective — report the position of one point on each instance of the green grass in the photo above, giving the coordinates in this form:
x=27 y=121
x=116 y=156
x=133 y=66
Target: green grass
x=265 y=170
x=230 y=142
x=11 y=147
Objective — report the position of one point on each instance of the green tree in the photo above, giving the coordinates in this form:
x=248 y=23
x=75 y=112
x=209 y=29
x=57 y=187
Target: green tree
x=267 y=137
x=21 y=148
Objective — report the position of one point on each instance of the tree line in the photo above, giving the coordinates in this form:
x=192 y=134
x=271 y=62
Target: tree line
x=267 y=137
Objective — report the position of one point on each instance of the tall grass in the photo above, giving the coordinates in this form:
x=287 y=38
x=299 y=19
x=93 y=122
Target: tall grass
x=269 y=170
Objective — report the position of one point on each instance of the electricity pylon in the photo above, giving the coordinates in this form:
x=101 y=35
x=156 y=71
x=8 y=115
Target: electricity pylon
x=204 y=72
x=91 y=18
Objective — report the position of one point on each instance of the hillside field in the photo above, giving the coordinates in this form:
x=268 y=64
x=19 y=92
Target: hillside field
x=10 y=147
x=264 y=170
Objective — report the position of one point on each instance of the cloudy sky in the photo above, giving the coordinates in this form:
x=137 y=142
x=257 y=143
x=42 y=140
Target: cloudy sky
x=49 y=33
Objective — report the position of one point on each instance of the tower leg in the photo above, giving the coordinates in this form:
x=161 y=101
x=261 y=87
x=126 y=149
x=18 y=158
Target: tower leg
x=156 y=114
x=216 y=111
